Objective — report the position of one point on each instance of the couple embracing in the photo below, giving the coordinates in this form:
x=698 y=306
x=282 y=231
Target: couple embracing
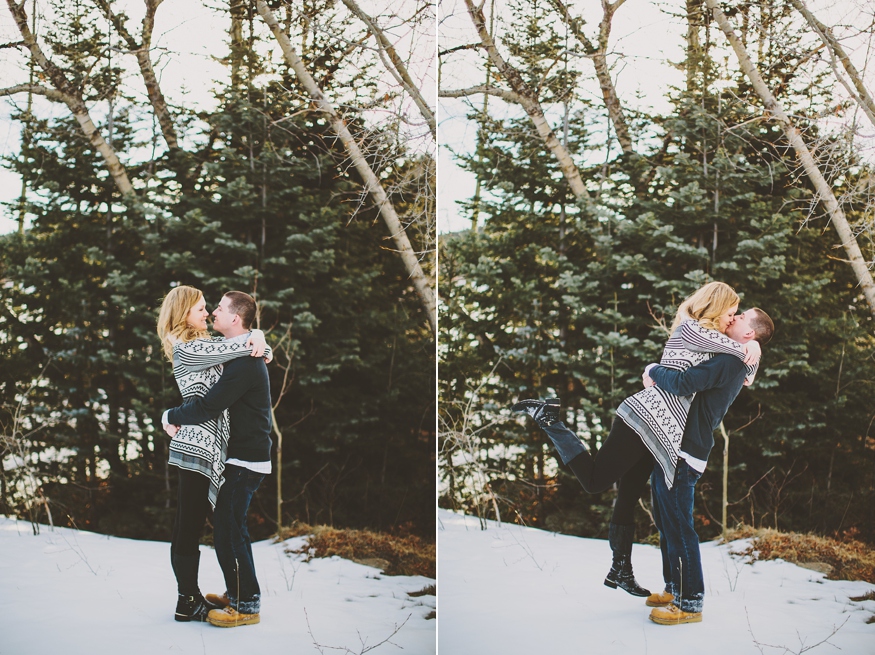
x=220 y=444
x=664 y=433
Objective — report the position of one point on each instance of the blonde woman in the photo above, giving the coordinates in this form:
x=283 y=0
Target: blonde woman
x=198 y=451
x=649 y=425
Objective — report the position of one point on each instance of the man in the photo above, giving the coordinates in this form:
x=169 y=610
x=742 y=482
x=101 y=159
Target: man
x=716 y=383
x=244 y=390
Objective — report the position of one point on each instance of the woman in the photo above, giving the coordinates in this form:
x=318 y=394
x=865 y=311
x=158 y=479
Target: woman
x=649 y=424
x=198 y=451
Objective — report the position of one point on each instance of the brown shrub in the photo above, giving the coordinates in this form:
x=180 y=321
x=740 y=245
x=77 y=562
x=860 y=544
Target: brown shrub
x=847 y=559
x=394 y=554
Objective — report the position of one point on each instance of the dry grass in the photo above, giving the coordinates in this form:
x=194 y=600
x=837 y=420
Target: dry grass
x=846 y=559
x=393 y=554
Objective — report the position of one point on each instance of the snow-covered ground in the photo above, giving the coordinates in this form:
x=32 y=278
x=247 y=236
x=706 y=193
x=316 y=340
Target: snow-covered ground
x=511 y=590
x=66 y=592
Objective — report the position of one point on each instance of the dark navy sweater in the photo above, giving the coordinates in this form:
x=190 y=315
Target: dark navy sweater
x=244 y=390
x=716 y=383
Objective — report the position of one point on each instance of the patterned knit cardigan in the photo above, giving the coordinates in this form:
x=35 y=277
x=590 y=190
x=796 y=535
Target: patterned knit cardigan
x=659 y=417
x=197 y=366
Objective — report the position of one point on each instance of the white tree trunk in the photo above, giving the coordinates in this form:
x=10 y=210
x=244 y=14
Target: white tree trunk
x=863 y=97
x=395 y=65
x=528 y=100
x=849 y=242
x=142 y=51
x=600 y=62
x=71 y=96
x=372 y=182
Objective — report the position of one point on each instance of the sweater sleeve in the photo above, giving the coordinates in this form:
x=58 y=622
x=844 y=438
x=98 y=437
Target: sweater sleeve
x=235 y=381
x=702 y=340
x=710 y=373
x=201 y=354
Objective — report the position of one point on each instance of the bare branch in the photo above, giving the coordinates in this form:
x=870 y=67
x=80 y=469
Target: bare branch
x=859 y=265
x=504 y=94
x=862 y=97
x=467 y=46
x=73 y=99
x=395 y=65
x=598 y=54
x=528 y=100
x=141 y=52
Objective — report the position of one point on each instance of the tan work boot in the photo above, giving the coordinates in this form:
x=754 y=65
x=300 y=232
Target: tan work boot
x=659 y=599
x=231 y=618
x=217 y=601
x=670 y=615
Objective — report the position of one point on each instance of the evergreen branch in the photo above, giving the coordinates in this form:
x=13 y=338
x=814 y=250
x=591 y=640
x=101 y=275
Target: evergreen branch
x=26 y=332
x=504 y=94
x=14 y=44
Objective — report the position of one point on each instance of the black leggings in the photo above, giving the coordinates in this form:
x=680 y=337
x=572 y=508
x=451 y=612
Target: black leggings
x=191 y=512
x=623 y=457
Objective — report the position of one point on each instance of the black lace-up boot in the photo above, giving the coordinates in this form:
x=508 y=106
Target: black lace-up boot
x=191 y=608
x=545 y=412
x=190 y=604
x=620 y=537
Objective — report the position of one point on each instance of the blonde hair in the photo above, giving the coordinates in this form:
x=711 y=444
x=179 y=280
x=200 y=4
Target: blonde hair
x=172 y=324
x=707 y=305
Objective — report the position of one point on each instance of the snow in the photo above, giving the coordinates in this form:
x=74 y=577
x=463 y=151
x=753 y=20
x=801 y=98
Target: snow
x=512 y=590
x=67 y=592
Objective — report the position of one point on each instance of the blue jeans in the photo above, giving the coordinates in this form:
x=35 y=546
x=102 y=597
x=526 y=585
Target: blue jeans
x=682 y=561
x=231 y=536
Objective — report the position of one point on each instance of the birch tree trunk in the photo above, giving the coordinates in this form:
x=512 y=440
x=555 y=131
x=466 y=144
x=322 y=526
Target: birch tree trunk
x=70 y=96
x=794 y=136
x=372 y=182
x=526 y=97
x=141 y=51
x=395 y=65
x=598 y=53
x=863 y=97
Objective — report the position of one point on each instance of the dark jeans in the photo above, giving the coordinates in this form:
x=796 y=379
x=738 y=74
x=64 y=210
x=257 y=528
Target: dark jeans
x=682 y=560
x=622 y=458
x=233 y=546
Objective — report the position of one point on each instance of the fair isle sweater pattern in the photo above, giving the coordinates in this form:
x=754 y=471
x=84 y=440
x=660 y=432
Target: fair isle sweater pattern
x=197 y=366
x=659 y=417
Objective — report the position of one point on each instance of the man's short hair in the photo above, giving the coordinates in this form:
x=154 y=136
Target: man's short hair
x=762 y=325
x=244 y=306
